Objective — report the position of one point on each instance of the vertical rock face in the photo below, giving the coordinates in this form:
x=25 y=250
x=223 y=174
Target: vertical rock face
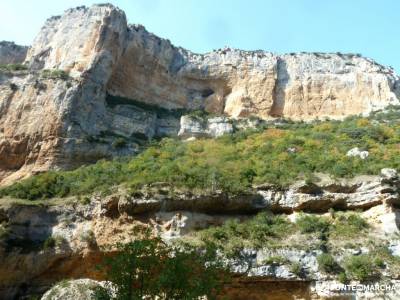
x=83 y=39
x=47 y=122
x=154 y=71
x=331 y=85
x=30 y=123
x=251 y=83
x=126 y=83
x=10 y=53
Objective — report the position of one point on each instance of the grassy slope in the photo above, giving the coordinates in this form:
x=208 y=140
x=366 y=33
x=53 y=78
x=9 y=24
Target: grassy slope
x=234 y=163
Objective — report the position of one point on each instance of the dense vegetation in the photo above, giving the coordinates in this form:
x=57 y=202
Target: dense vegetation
x=148 y=268
x=361 y=267
x=274 y=231
x=264 y=229
x=327 y=263
x=275 y=153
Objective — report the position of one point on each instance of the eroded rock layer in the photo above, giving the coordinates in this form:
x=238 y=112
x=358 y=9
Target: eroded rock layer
x=29 y=264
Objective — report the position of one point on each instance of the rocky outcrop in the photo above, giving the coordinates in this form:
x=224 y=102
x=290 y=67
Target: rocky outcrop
x=82 y=39
x=82 y=289
x=239 y=289
x=240 y=83
x=63 y=121
x=43 y=244
x=97 y=87
x=10 y=53
x=80 y=228
x=199 y=127
x=356 y=152
x=362 y=192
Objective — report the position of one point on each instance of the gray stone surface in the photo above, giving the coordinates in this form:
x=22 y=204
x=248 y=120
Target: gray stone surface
x=78 y=289
x=359 y=193
x=356 y=152
x=10 y=53
x=207 y=127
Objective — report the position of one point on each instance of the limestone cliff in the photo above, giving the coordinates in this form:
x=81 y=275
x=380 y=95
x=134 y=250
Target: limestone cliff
x=97 y=87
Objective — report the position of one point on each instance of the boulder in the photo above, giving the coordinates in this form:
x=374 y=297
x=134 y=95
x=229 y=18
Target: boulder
x=207 y=127
x=82 y=289
x=219 y=126
x=389 y=174
x=356 y=152
x=192 y=127
x=394 y=248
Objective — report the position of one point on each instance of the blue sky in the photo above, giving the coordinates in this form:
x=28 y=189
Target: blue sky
x=369 y=27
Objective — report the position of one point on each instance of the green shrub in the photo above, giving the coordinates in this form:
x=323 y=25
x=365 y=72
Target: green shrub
x=266 y=225
x=49 y=243
x=53 y=241
x=112 y=101
x=55 y=74
x=64 y=283
x=4 y=231
x=13 y=67
x=101 y=293
x=100 y=176
x=275 y=260
x=201 y=115
x=119 y=143
x=256 y=232
x=85 y=200
x=327 y=263
x=343 y=278
x=47 y=185
x=4 y=235
x=360 y=267
x=312 y=224
x=13 y=87
x=356 y=221
x=348 y=225
x=296 y=269
x=150 y=268
x=383 y=257
x=379 y=262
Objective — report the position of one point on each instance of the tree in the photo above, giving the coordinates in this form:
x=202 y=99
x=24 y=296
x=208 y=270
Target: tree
x=148 y=268
x=190 y=273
